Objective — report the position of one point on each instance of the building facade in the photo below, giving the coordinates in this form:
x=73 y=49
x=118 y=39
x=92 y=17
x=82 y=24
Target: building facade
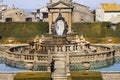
x=41 y=14
x=8 y=14
x=80 y=13
x=108 y=12
x=72 y=12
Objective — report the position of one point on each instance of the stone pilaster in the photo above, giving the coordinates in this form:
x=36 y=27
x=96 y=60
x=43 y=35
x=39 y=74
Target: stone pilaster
x=69 y=22
x=50 y=21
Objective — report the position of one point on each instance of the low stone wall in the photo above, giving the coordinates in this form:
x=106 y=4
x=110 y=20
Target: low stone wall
x=106 y=76
x=111 y=75
x=7 y=76
x=94 y=65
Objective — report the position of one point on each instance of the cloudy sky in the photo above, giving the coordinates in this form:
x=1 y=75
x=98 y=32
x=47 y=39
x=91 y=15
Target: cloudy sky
x=33 y=4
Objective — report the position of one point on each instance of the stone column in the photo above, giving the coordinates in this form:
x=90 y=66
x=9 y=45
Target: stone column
x=49 y=61
x=50 y=21
x=67 y=64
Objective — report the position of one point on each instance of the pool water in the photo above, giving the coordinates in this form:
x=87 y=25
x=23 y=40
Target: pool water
x=4 y=68
x=115 y=68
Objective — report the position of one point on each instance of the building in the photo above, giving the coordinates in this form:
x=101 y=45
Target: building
x=80 y=13
x=41 y=14
x=8 y=14
x=72 y=12
x=108 y=12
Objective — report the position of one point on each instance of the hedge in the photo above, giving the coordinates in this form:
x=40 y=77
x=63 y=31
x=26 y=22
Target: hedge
x=33 y=76
x=47 y=76
x=96 y=29
x=97 y=32
x=86 y=76
x=22 y=31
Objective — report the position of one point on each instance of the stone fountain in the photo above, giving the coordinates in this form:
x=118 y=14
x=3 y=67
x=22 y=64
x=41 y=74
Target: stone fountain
x=60 y=54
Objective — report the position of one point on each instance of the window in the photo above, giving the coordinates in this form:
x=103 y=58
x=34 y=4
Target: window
x=28 y=20
x=8 y=20
x=45 y=15
x=38 y=10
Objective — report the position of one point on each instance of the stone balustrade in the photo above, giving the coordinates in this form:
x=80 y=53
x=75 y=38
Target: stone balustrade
x=77 y=54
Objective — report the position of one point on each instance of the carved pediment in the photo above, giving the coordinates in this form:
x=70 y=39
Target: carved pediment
x=60 y=4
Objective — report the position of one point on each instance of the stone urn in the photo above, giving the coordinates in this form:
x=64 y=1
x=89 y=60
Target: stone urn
x=10 y=40
x=29 y=66
x=86 y=66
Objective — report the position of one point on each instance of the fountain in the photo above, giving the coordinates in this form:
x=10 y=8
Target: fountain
x=59 y=54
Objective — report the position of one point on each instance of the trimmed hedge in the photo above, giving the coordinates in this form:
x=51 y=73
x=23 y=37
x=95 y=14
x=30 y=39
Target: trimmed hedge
x=97 y=32
x=23 y=31
x=96 y=29
x=86 y=76
x=33 y=76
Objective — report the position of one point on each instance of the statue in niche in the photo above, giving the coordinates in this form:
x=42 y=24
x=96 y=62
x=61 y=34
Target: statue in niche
x=59 y=27
x=53 y=28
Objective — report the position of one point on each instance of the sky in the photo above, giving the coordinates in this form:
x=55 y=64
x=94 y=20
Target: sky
x=33 y=4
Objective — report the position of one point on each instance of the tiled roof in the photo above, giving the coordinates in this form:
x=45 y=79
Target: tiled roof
x=111 y=7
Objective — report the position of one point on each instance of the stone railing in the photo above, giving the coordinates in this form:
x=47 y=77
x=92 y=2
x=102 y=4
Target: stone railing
x=40 y=58
x=91 y=58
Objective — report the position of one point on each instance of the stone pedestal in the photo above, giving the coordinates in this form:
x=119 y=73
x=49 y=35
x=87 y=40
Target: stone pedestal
x=59 y=67
x=60 y=40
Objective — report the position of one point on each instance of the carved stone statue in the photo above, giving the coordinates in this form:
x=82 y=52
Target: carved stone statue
x=53 y=28
x=59 y=27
